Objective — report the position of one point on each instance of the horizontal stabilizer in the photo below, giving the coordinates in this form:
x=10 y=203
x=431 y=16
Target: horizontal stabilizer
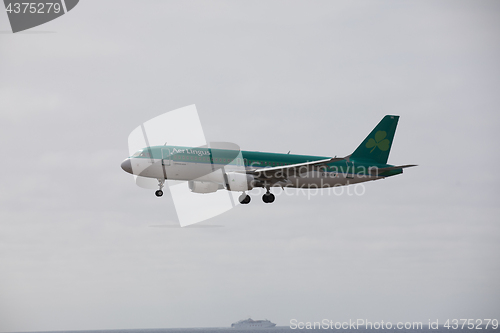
x=380 y=170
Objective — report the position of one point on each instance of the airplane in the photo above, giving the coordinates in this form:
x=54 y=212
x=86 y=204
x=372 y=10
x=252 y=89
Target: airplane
x=208 y=169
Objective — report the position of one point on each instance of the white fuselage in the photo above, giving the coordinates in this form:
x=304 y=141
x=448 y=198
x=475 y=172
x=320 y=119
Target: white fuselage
x=186 y=171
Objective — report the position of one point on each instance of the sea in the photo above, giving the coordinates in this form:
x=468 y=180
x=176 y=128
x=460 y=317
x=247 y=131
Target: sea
x=283 y=329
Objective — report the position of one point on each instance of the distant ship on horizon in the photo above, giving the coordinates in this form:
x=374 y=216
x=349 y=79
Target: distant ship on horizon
x=250 y=323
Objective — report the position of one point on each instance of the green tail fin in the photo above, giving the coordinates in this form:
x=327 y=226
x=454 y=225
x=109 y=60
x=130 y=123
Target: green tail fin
x=377 y=145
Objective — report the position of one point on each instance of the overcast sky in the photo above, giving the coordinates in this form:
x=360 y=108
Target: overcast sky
x=82 y=247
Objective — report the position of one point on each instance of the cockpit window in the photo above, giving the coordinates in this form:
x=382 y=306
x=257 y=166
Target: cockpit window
x=141 y=153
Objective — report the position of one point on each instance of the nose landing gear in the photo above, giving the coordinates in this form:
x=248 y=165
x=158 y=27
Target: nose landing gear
x=159 y=193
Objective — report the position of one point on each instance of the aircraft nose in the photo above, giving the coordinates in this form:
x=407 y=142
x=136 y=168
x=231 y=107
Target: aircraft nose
x=127 y=166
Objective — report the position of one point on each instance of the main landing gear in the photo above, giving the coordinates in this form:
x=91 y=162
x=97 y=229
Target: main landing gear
x=159 y=193
x=268 y=197
x=244 y=198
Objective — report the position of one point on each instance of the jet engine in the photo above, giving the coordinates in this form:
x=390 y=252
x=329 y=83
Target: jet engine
x=197 y=186
x=239 y=182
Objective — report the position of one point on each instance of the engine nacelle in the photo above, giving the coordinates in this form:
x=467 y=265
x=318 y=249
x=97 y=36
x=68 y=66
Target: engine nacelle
x=197 y=186
x=239 y=181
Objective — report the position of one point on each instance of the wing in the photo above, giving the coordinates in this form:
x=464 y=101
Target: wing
x=282 y=172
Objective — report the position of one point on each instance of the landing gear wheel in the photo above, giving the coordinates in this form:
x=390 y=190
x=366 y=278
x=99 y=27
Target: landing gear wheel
x=244 y=199
x=268 y=197
x=161 y=183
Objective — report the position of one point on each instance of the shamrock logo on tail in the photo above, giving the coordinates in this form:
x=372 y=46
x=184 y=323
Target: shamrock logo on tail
x=380 y=141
